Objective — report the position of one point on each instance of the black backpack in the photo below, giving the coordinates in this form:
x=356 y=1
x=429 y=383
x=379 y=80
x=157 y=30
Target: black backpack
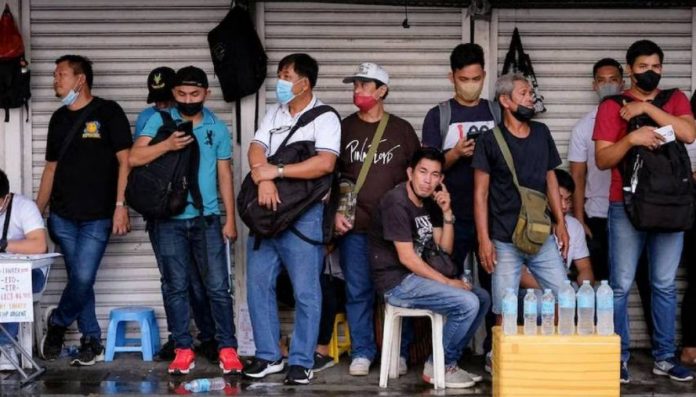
x=657 y=185
x=160 y=189
x=296 y=195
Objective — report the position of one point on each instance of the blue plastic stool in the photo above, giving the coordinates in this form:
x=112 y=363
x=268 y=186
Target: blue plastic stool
x=116 y=340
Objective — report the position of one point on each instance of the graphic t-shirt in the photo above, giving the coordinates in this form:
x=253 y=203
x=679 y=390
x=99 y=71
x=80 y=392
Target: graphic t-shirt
x=398 y=219
x=388 y=169
x=459 y=178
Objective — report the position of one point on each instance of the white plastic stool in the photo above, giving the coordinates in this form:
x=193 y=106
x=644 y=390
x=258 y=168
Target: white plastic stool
x=391 y=343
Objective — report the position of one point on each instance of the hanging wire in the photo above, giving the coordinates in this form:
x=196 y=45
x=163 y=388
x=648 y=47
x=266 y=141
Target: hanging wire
x=405 y=23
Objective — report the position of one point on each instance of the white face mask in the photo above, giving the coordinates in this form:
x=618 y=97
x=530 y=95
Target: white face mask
x=606 y=90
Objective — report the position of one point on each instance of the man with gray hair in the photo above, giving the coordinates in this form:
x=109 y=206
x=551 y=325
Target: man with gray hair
x=497 y=202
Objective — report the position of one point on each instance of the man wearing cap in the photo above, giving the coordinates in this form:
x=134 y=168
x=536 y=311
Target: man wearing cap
x=159 y=86
x=386 y=169
x=187 y=241
x=297 y=76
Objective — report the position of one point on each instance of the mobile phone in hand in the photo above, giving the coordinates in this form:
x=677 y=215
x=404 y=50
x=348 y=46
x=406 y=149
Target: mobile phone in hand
x=473 y=134
x=186 y=127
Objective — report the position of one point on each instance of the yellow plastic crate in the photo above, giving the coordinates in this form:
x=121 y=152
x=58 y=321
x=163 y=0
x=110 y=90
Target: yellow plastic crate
x=555 y=365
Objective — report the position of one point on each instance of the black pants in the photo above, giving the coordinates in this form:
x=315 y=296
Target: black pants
x=688 y=319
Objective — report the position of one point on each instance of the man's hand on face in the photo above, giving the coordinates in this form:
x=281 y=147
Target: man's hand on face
x=442 y=198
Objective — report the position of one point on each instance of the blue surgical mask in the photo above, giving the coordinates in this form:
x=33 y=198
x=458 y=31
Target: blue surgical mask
x=609 y=89
x=70 y=98
x=284 y=91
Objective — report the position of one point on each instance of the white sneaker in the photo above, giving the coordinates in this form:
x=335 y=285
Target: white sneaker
x=403 y=366
x=360 y=366
x=5 y=364
x=475 y=377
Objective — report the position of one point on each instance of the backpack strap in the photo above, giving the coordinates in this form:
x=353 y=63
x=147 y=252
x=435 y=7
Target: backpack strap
x=70 y=137
x=496 y=112
x=8 y=214
x=445 y=118
x=306 y=118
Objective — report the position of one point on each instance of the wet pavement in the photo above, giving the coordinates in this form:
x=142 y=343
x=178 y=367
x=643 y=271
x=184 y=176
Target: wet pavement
x=129 y=375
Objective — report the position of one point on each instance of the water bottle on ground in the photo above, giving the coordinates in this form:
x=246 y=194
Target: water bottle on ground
x=510 y=312
x=205 y=384
x=530 y=313
x=548 y=312
x=566 y=309
x=586 y=305
x=605 y=309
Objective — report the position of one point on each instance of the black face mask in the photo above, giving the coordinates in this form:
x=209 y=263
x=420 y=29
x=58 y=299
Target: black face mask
x=523 y=113
x=189 y=109
x=647 y=81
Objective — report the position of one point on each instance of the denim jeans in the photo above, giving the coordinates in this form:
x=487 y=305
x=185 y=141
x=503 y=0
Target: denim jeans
x=461 y=308
x=38 y=279
x=185 y=247
x=546 y=266
x=304 y=262
x=360 y=294
x=664 y=252
x=83 y=244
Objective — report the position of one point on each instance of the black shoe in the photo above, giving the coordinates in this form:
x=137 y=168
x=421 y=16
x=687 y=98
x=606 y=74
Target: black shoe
x=166 y=352
x=322 y=362
x=52 y=342
x=298 y=375
x=258 y=368
x=209 y=350
x=91 y=351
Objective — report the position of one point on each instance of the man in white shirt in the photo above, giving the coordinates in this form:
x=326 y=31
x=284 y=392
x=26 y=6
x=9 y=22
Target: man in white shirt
x=24 y=234
x=297 y=76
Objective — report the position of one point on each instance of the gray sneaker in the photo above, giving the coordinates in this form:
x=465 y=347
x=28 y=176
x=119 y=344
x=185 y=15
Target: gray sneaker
x=455 y=377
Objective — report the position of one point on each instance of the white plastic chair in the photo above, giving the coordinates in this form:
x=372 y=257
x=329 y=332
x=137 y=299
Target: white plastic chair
x=391 y=343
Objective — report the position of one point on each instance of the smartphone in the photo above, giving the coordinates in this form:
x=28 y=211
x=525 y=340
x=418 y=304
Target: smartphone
x=186 y=127
x=473 y=134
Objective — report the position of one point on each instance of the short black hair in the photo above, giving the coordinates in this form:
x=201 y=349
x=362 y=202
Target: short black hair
x=643 y=48
x=303 y=64
x=465 y=55
x=565 y=180
x=606 y=62
x=429 y=153
x=80 y=65
x=4 y=184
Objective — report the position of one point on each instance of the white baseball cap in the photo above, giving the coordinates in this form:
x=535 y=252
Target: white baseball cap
x=369 y=70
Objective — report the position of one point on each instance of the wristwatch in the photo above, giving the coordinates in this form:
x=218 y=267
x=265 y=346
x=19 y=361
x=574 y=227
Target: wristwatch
x=281 y=170
x=120 y=203
x=449 y=221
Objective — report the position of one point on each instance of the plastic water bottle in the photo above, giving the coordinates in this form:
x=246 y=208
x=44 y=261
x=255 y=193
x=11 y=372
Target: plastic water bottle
x=468 y=277
x=205 y=384
x=530 y=313
x=548 y=312
x=510 y=312
x=586 y=306
x=605 y=309
x=566 y=309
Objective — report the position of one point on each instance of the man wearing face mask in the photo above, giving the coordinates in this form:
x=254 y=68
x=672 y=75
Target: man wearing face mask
x=497 y=201
x=84 y=180
x=612 y=144
x=187 y=241
x=304 y=260
x=387 y=169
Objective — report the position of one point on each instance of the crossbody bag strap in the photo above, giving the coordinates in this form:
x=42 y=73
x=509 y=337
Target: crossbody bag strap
x=96 y=102
x=306 y=118
x=8 y=214
x=367 y=163
x=505 y=149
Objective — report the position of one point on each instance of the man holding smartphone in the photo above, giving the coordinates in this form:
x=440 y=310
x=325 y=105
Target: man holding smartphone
x=189 y=240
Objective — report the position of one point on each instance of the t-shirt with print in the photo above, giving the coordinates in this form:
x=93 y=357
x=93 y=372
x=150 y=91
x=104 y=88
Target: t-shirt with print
x=532 y=156
x=24 y=219
x=395 y=150
x=214 y=144
x=398 y=219
x=610 y=127
x=86 y=178
x=459 y=178
x=324 y=131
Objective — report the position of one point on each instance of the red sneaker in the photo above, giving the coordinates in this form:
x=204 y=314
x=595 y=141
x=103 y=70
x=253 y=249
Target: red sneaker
x=229 y=361
x=184 y=361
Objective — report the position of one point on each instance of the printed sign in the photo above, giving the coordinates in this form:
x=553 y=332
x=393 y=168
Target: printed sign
x=16 y=300
x=245 y=334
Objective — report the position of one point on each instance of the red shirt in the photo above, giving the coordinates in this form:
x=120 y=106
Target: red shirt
x=610 y=127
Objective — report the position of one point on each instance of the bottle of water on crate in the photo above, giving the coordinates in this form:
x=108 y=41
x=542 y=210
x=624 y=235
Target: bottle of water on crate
x=548 y=312
x=586 y=306
x=510 y=312
x=530 y=313
x=605 y=309
x=566 y=309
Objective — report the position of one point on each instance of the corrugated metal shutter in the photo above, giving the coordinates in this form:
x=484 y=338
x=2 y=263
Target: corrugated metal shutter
x=125 y=40
x=563 y=46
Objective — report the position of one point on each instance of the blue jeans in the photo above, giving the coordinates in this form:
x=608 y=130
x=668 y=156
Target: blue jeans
x=304 y=263
x=461 y=307
x=37 y=282
x=664 y=252
x=83 y=244
x=546 y=266
x=185 y=247
x=360 y=294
